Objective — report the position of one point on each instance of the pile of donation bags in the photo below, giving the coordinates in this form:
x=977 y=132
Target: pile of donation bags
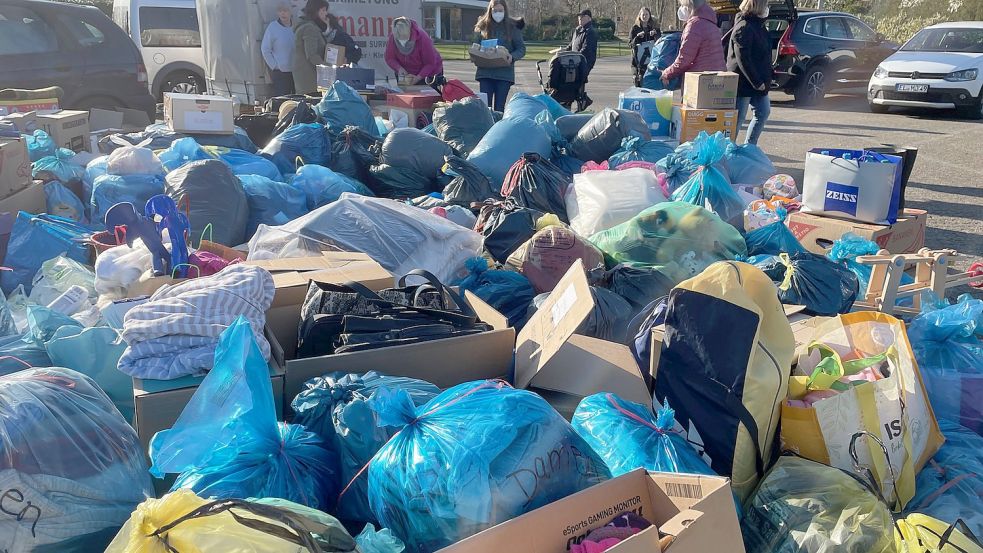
x=692 y=237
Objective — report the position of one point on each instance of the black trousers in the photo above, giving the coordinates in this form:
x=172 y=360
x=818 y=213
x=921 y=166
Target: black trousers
x=283 y=83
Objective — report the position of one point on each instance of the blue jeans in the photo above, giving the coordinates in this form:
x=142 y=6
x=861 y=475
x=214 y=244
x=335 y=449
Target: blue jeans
x=497 y=91
x=761 y=107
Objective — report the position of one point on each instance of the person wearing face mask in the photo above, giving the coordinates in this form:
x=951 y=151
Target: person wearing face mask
x=749 y=55
x=309 y=44
x=644 y=30
x=700 y=48
x=411 y=51
x=495 y=82
x=278 y=51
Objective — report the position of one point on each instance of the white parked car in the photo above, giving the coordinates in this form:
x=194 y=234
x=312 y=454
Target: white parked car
x=940 y=67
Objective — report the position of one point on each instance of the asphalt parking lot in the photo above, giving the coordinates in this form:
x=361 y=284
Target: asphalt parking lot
x=947 y=180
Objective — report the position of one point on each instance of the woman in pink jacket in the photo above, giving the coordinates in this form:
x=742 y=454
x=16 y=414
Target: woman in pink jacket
x=411 y=51
x=700 y=49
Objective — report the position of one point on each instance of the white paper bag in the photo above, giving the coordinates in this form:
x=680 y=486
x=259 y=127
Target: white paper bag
x=866 y=190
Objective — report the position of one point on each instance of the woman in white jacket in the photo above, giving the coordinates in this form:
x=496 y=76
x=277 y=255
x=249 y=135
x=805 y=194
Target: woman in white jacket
x=278 y=51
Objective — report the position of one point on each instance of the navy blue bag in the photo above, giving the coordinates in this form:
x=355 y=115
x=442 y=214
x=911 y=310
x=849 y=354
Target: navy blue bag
x=36 y=239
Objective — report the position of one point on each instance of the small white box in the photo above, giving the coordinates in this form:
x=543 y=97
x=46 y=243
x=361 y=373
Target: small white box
x=198 y=114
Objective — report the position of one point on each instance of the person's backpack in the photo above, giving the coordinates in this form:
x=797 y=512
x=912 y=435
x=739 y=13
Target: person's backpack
x=725 y=365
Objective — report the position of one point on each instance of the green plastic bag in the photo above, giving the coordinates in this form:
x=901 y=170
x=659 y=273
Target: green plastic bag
x=676 y=238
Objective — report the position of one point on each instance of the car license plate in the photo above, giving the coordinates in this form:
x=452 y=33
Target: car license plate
x=913 y=88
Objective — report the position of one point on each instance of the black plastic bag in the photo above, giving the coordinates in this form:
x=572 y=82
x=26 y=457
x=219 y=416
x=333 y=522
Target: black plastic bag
x=387 y=181
x=823 y=286
x=468 y=184
x=463 y=123
x=536 y=183
x=638 y=285
x=506 y=226
x=602 y=135
x=570 y=125
x=352 y=152
x=416 y=150
x=302 y=113
x=259 y=127
x=215 y=197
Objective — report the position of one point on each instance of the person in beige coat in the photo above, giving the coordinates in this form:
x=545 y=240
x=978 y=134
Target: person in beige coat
x=309 y=44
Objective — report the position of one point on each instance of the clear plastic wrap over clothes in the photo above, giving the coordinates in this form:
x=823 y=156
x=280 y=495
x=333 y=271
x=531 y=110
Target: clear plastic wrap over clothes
x=71 y=469
x=471 y=458
x=399 y=237
x=599 y=200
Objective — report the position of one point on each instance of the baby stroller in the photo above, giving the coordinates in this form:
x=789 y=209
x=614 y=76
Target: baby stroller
x=566 y=79
x=641 y=54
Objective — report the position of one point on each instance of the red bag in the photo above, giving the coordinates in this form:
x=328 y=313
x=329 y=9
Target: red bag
x=456 y=90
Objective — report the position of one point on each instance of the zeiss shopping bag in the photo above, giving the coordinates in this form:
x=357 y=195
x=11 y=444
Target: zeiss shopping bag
x=859 y=376
x=856 y=184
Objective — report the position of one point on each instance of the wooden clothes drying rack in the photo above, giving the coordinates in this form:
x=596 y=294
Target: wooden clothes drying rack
x=931 y=273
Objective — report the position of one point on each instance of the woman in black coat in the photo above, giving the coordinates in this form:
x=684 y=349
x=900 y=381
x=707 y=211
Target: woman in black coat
x=643 y=30
x=334 y=34
x=749 y=55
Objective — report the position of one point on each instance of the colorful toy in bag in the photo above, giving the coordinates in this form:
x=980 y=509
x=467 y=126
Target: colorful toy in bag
x=227 y=442
x=636 y=148
x=164 y=211
x=72 y=468
x=655 y=107
x=62 y=202
x=627 y=436
x=35 y=239
x=856 y=184
x=780 y=185
x=509 y=292
x=549 y=253
x=865 y=359
x=773 y=238
x=341 y=409
x=59 y=167
x=709 y=187
x=467 y=460
x=947 y=345
x=824 y=287
x=748 y=164
x=677 y=238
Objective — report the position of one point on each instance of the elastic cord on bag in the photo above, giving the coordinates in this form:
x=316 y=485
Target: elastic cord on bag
x=789 y=272
x=17 y=359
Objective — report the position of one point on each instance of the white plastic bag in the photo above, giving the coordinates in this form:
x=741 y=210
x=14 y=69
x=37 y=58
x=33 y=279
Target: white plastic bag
x=56 y=276
x=133 y=160
x=599 y=200
x=119 y=267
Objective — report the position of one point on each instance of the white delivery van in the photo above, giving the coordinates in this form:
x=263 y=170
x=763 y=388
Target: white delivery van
x=167 y=35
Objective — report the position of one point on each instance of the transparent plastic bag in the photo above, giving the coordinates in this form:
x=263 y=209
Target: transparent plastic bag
x=57 y=275
x=94 y=352
x=183 y=150
x=627 y=436
x=18 y=353
x=227 y=442
x=340 y=408
x=129 y=159
x=61 y=167
x=35 y=239
x=467 y=460
x=599 y=200
x=509 y=292
x=709 y=187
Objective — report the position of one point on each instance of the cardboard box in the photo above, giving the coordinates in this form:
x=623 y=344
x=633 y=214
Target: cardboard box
x=150 y=285
x=157 y=404
x=46 y=105
x=359 y=78
x=489 y=57
x=817 y=232
x=697 y=511
x=198 y=114
x=414 y=100
x=26 y=123
x=710 y=90
x=335 y=55
x=15 y=166
x=408 y=117
x=688 y=122
x=69 y=129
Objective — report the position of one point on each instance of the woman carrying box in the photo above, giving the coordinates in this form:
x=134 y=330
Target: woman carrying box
x=496 y=24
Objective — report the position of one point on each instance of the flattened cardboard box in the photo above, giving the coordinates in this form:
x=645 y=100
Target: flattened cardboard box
x=697 y=511
x=817 y=233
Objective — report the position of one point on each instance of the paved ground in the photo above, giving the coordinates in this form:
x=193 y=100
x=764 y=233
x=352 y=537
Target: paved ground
x=947 y=180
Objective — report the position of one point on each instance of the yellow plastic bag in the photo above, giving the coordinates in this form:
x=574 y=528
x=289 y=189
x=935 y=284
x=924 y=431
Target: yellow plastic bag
x=918 y=533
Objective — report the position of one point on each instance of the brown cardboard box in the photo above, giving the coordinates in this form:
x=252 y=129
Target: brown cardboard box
x=698 y=511
x=30 y=199
x=411 y=114
x=687 y=122
x=199 y=114
x=817 y=232
x=15 y=166
x=710 y=90
x=26 y=123
x=69 y=129
x=334 y=55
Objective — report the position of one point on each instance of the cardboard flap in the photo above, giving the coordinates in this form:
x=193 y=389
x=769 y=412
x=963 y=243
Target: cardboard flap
x=584 y=366
x=680 y=522
x=328 y=260
x=486 y=313
x=553 y=324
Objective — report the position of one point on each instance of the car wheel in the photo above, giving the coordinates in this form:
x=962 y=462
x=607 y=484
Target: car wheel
x=878 y=108
x=182 y=82
x=812 y=89
x=974 y=111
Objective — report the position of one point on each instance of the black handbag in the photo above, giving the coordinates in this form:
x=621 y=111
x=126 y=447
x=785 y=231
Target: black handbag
x=350 y=317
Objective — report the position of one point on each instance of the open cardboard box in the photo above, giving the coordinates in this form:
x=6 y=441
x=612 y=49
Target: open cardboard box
x=697 y=511
x=150 y=285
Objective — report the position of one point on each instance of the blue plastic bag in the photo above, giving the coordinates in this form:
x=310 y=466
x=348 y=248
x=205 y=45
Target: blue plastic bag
x=748 y=164
x=227 y=442
x=110 y=190
x=18 y=353
x=94 y=352
x=949 y=351
x=847 y=249
x=678 y=167
x=509 y=292
x=271 y=203
x=245 y=163
x=40 y=145
x=709 y=187
x=472 y=458
x=340 y=409
x=60 y=201
x=524 y=106
x=342 y=106
x=627 y=436
x=636 y=148
x=44 y=322
x=959 y=467
x=323 y=186
x=499 y=149
x=61 y=167
x=182 y=151
x=35 y=239
x=824 y=287
x=555 y=108
x=95 y=169
x=664 y=53
x=773 y=238
x=567 y=163
x=307 y=141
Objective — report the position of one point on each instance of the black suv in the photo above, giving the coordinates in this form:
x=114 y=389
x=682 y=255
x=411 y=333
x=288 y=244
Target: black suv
x=816 y=52
x=75 y=47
